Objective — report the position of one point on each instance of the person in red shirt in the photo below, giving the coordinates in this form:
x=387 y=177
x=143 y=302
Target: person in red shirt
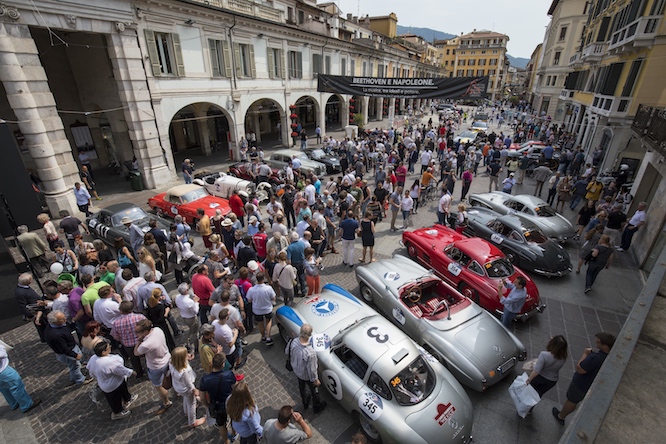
x=392 y=178
x=401 y=174
x=259 y=240
x=237 y=206
x=203 y=287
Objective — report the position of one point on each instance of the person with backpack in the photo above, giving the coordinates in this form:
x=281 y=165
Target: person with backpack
x=214 y=389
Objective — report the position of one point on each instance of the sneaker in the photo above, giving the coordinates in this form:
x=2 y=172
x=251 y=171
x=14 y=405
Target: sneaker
x=124 y=414
x=588 y=289
x=619 y=249
x=86 y=381
x=98 y=198
x=35 y=403
x=233 y=437
x=269 y=341
x=242 y=363
x=133 y=398
x=556 y=414
x=306 y=403
x=244 y=342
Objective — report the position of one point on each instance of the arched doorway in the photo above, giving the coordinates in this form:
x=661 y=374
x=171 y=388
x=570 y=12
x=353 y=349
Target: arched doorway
x=333 y=113
x=306 y=110
x=262 y=119
x=373 y=109
x=355 y=107
x=200 y=126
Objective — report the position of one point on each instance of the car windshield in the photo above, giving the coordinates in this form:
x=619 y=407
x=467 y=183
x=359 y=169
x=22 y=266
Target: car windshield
x=414 y=383
x=535 y=236
x=544 y=211
x=134 y=213
x=318 y=154
x=479 y=125
x=499 y=268
x=194 y=195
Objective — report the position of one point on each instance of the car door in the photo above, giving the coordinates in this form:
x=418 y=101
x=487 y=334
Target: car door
x=342 y=379
x=452 y=269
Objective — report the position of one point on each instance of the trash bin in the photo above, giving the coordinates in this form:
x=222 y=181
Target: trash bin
x=135 y=180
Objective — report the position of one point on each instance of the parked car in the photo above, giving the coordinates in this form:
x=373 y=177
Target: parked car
x=399 y=392
x=242 y=171
x=281 y=158
x=332 y=163
x=520 y=240
x=223 y=185
x=479 y=125
x=465 y=137
x=529 y=208
x=472 y=265
x=470 y=342
x=482 y=117
x=185 y=200
x=105 y=224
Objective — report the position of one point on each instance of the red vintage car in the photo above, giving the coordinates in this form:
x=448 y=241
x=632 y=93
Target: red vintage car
x=185 y=200
x=472 y=265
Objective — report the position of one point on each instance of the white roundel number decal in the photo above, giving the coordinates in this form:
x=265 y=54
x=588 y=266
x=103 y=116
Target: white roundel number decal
x=454 y=269
x=174 y=209
x=371 y=405
x=496 y=238
x=332 y=383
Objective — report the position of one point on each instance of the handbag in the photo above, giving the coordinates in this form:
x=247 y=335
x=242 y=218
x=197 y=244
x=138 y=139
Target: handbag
x=590 y=258
x=287 y=364
x=167 y=382
x=173 y=258
x=123 y=260
x=524 y=396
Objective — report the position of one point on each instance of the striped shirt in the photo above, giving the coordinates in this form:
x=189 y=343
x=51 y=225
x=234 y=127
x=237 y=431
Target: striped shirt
x=303 y=360
x=123 y=328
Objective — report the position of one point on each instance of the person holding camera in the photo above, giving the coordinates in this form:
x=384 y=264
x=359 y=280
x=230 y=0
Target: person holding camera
x=514 y=301
x=283 y=431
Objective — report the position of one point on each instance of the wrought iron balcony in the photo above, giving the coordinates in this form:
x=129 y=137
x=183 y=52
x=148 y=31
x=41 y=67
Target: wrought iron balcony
x=593 y=52
x=650 y=124
x=610 y=106
x=639 y=33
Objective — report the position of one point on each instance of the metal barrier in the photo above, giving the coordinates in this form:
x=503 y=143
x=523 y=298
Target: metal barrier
x=589 y=416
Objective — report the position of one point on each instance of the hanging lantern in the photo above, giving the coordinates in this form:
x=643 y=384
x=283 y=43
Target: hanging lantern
x=294 y=134
x=292 y=107
x=294 y=125
x=293 y=117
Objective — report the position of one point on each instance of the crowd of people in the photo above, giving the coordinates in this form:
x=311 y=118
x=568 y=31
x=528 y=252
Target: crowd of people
x=258 y=257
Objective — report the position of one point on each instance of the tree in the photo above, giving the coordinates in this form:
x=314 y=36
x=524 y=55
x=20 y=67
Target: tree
x=359 y=120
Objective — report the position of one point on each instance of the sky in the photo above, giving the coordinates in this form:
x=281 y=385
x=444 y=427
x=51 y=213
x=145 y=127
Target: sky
x=524 y=21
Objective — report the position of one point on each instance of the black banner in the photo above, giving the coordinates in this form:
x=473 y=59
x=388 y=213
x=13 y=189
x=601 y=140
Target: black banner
x=406 y=88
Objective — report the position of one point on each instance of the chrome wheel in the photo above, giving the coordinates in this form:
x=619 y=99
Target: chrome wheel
x=366 y=293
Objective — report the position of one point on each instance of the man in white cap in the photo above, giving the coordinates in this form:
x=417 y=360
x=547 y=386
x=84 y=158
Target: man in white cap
x=135 y=233
x=508 y=183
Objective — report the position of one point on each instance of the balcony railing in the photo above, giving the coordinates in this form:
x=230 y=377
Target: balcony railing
x=611 y=106
x=566 y=94
x=650 y=124
x=575 y=59
x=638 y=33
x=247 y=7
x=593 y=52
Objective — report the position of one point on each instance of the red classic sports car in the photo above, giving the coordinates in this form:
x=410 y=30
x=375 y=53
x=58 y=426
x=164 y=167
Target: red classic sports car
x=184 y=200
x=472 y=265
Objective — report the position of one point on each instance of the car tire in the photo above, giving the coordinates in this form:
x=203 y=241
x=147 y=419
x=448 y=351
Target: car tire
x=369 y=430
x=469 y=292
x=513 y=258
x=367 y=293
x=158 y=212
x=411 y=251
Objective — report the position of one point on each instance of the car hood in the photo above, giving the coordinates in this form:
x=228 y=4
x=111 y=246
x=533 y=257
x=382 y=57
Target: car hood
x=446 y=415
x=330 y=160
x=209 y=205
x=458 y=318
x=486 y=342
x=394 y=273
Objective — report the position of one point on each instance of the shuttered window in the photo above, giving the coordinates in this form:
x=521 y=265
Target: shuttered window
x=165 y=54
x=316 y=65
x=244 y=58
x=628 y=88
x=275 y=63
x=295 y=65
x=220 y=58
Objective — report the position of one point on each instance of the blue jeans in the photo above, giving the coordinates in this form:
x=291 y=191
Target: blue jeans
x=507 y=318
x=575 y=200
x=441 y=218
x=74 y=365
x=627 y=235
x=187 y=178
x=12 y=388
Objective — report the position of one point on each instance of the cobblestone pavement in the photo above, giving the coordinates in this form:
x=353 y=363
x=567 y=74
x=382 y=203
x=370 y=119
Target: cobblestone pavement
x=68 y=415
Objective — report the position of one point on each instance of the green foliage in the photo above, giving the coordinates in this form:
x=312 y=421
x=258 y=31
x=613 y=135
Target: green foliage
x=358 y=120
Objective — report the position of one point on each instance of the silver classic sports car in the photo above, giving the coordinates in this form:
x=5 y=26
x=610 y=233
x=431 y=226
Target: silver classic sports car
x=529 y=208
x=464 y=337
x=520 y=240
x=399 y=392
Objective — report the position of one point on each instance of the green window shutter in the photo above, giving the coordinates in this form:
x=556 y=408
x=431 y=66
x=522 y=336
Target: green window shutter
x=152 y=53
x=253 y=67
x=237 y=60
x=271 y=63
x=226 y=49
x=300 y=65
x=281 y=65
x=214 y=59
x=180 y=66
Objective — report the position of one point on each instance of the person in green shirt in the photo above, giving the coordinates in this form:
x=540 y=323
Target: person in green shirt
x=91 y=294
x=106 y=275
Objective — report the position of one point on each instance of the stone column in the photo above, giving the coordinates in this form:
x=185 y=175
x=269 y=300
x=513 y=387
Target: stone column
x=256 y=127
x=345 y=112
x=321 y=115
x=30 y=97
x=204 y=134
x=149 y=148
x=380 y=108
x=402 y=105
x=364 y=109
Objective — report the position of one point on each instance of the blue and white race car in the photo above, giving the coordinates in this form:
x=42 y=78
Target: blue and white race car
x=399 y=392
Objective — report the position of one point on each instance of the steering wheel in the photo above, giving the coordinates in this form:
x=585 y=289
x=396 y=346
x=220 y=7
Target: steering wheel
x=414 y=294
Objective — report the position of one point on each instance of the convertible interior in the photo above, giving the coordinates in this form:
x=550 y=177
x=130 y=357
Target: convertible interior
x=429 y=298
